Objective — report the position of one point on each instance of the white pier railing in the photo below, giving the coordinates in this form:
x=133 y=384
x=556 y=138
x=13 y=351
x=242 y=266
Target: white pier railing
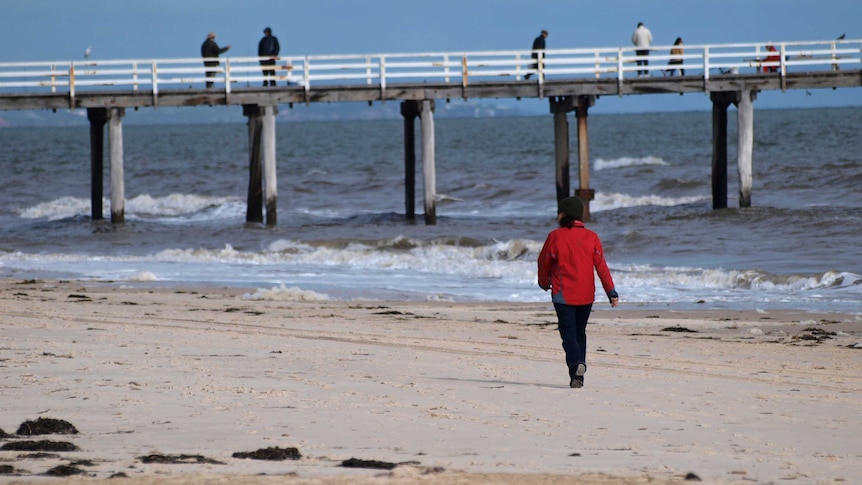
x=462 y=68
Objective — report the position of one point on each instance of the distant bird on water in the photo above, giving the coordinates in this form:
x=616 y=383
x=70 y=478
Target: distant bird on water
x=87 y=52
x=841 y=37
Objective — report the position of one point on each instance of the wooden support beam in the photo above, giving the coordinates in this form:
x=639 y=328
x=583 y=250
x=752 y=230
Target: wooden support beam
x=97 y=117
x=428 y=164
x=118 y=190
x=720 y=102
x=745 y=144
x=584 y=191
x=560 y=106
x=254 y=201
x=267 y=140
x=409 y=111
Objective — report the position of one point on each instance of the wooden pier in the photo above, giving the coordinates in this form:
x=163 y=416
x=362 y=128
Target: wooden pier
x=573 y=80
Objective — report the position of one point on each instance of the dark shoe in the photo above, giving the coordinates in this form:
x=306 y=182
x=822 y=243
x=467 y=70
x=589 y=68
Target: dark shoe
x=577 y=375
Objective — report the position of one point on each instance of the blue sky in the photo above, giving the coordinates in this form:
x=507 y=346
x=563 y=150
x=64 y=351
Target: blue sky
x=55 y=30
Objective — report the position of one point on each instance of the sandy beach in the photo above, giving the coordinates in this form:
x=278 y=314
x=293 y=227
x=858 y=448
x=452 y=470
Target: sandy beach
x=177 y=385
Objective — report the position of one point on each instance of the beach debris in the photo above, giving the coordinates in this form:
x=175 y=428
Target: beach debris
x=178 y=459
x=4 y=434
x=38 y=456
x=7 y=469
x=678 y=329
x=375 y=464
x=755 y=331
x=79 y=298
x=65 y=471
x=691 y=476
x=273 y=453
x=814 y=334
x=46 y=426
x=857 y=345
x=42 y=445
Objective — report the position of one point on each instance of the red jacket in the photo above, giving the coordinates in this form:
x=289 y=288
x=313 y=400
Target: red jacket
x=566 y=265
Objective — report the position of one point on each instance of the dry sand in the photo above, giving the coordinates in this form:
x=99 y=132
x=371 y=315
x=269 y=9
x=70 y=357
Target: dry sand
x=455 y=393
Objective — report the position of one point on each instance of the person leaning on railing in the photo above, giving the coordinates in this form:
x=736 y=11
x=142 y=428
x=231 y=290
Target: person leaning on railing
x=210 y=49
x=676 y=53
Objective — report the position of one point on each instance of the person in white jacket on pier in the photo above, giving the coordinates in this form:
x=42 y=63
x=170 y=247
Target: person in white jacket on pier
x=642 y=38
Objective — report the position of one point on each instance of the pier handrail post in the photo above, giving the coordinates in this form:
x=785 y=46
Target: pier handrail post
x=72 y=85
x=705 y=68
x=620 y=72
x=782 y=70
x=382 y=77
x=155 y=71
x=227 y=76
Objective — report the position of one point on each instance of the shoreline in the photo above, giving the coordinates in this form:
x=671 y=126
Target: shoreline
x=455 y=392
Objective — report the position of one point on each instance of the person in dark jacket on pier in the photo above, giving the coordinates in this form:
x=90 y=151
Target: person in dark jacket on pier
x=569 y=257
x=538 y=45
x=268 y=47
x=209 y=50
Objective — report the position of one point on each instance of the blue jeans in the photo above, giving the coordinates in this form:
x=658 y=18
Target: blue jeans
x=573 y=330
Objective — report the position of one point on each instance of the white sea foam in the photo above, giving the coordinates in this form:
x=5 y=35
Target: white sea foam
x=143 y=276
x=185 y=208
x=602 y=164
x=144 y=205
x=609 y=201
x=283 y=293
x=415 y=269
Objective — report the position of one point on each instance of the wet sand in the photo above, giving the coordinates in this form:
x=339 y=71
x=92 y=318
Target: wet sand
x=438 y=392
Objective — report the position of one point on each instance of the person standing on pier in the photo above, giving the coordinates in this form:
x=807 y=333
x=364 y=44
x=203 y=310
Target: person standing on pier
x=566 y=263
x=676 y=52
x=210 y=50
x=538 y=45
x=268 y=47
x=642 y=38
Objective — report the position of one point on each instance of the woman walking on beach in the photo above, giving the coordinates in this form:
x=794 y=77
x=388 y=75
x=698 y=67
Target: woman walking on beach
x=566 y=263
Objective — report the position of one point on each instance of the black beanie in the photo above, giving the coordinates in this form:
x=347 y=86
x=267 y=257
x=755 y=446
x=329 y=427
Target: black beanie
x=572 y=207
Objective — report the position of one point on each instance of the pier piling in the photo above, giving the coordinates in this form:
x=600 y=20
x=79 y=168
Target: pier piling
x=720 y=103
x=97 y=118
x=267 y=140
x=584 y=191
x=409 y=111
x=745 y=144
x=115 y=141
x=428 y=164
x=254 y=201
x=560 y=106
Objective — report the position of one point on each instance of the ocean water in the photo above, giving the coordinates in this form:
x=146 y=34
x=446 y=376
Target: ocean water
x=342 y=233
